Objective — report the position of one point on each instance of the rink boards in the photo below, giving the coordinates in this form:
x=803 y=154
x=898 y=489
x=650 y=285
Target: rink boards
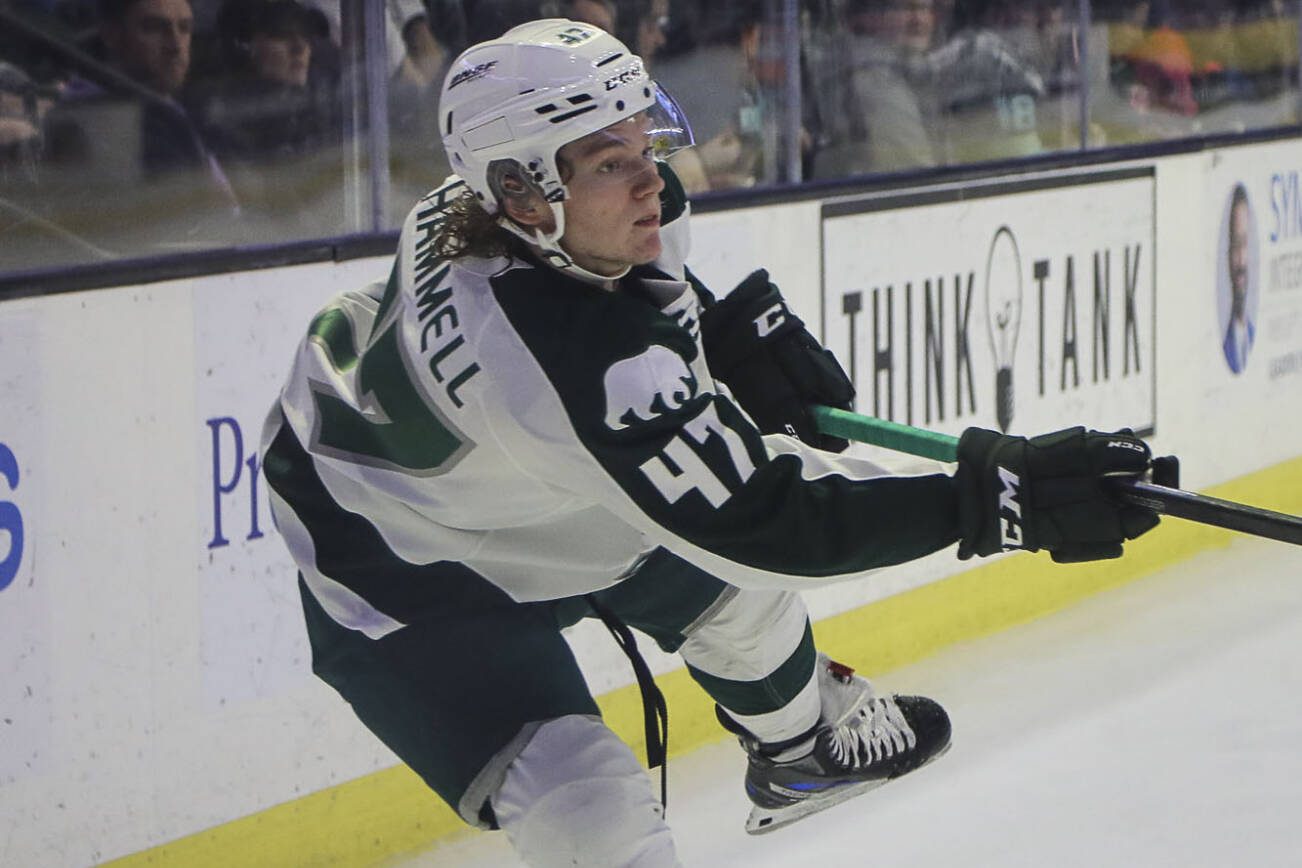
x=157 y=705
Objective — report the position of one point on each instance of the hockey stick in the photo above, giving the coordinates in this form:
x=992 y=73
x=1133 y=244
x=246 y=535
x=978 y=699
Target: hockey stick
x=1168 y=501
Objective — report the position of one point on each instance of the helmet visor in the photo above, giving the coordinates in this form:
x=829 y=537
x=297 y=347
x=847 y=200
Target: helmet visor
x=628 y=150
x=668 y=126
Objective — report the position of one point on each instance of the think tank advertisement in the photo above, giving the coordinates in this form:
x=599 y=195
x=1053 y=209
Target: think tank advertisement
x=25 y=700
x=1023 y=305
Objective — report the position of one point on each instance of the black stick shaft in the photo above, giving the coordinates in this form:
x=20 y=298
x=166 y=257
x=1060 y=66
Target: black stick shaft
x=1211 y=510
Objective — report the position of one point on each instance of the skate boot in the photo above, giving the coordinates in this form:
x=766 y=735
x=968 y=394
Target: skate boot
x=861 y=741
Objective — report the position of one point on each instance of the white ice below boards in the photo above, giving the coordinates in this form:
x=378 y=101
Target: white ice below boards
x=1159 y=724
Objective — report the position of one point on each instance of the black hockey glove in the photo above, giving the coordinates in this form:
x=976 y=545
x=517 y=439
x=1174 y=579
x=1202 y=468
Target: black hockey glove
x=1047 y=493
x=774 y=367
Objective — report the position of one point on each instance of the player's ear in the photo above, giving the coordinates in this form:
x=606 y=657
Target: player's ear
x=518 y=203
x=524 y=204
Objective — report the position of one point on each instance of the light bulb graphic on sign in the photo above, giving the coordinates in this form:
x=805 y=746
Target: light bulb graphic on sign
x=1003 y=316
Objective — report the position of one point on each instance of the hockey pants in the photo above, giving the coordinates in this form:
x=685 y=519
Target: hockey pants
x=460 y=695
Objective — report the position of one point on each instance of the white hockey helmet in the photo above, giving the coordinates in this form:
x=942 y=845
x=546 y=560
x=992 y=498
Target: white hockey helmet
x=509 y=104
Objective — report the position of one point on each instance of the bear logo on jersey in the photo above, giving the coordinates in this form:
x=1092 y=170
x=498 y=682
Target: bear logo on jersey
x=652 y=383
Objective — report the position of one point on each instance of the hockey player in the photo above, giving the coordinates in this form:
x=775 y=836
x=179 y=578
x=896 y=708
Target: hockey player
x=542 y=415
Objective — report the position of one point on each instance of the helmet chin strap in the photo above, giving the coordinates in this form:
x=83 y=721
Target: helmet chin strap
x=549 y=247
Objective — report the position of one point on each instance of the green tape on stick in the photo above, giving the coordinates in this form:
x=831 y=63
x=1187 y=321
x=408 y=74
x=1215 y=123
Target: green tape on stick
x=891 y=435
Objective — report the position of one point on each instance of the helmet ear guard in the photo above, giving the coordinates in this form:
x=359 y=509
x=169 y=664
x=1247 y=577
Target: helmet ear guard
x=509 y=181
x=514 y=188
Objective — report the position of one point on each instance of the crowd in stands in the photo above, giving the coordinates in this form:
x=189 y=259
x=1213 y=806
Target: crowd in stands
x=132 y=127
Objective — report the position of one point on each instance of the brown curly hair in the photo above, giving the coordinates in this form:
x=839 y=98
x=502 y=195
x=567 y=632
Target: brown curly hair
x=469 y=230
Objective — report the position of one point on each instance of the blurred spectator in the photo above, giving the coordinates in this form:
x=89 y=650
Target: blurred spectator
x=396 y=13
x=599 y=13
x=447 y=18
x=1200 y=66
x=1160 y=70
x=274 y=118
x=881 y=108
x=1149 y=90
x=149 y=40
x=27 y=238
x=909 y=25
x=264 y=107
x=650 y=28
x=990 y=96
x=732 y=87
x=146 y=47
x=417 y=161
x=121 y=130
x=1040 y=33
x=900 y=98
x=1222 y=61
x=425 y=58
x=20 y=131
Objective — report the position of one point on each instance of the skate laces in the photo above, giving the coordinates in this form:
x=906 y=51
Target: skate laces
x=875 y=732
x=862 y=727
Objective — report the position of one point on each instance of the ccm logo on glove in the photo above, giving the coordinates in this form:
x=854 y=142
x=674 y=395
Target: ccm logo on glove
x=1010 y=510
x=766 y=322
x=1047 y=493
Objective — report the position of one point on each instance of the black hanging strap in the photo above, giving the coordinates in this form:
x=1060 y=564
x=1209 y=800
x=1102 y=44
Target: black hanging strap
x=655 y=711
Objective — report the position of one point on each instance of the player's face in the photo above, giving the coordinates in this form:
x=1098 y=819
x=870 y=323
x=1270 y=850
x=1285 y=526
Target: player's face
x=612 y=212
x=1238 y=256
x=152 y=43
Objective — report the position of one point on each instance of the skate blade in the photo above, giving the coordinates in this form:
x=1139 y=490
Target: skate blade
x=764 y=820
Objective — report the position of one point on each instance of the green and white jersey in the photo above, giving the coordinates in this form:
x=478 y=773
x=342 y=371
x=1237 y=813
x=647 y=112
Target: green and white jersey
x=505 y=420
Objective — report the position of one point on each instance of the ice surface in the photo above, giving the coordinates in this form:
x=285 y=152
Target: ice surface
x=1159 y=724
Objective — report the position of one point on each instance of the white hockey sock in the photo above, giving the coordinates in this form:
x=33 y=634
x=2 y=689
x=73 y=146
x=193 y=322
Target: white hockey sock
x=748 y=639
x=576 y=795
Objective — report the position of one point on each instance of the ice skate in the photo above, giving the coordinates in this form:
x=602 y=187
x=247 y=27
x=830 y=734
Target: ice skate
x=862 y=740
